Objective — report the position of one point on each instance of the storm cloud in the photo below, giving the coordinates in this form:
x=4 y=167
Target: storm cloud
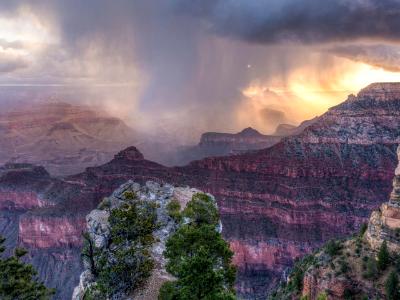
x=306 y=21
x=182 y=65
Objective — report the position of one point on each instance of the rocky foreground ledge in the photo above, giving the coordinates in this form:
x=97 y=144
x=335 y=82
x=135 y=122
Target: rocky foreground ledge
x=98 y=228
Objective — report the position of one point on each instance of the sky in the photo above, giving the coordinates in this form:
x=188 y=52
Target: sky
x=183 y=67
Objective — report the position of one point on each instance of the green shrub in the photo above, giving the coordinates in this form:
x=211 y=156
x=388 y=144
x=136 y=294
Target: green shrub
x=322 y=296
x=344 y=267
x=127 y=262
x=198 y=257
x=383 y=257
x=372 y=268
x=201 y=209
x=173 y=209
x=19 y=280
x=392 y=287
x=333 y=248
x=129 y=195
x=133 y=222
x=363 y=229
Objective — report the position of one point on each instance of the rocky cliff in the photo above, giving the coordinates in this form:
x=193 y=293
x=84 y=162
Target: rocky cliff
x=356 y=268
x=276 y=204
x=99 y=230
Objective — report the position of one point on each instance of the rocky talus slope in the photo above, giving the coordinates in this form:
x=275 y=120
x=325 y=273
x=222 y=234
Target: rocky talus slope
x=99 y=230
x=276 y=204
x=353 y=268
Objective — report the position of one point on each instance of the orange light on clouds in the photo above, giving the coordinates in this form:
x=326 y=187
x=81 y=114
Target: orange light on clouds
x=307 y=92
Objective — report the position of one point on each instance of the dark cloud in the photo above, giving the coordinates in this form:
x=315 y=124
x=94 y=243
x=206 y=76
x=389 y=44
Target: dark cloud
x=306 y=21
x=382 y=56
x=177 y=50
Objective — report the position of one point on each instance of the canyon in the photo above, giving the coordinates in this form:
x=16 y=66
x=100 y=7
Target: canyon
x=64 y=138
x=276 y=204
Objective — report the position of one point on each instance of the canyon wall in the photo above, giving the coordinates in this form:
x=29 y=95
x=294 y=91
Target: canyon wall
x=276 y=204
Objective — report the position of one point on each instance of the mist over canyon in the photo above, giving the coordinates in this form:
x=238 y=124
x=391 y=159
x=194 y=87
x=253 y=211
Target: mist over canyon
x=276 y=204
x=287 y=112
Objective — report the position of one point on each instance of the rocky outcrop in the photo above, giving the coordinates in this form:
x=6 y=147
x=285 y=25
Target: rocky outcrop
x=98 y=228
x=384 y=224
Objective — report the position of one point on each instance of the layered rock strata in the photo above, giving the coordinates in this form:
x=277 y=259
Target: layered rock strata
x=276 y=204
x=348 y=269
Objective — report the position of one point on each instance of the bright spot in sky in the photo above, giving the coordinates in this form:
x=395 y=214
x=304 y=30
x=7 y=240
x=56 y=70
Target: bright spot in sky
x=24 y=27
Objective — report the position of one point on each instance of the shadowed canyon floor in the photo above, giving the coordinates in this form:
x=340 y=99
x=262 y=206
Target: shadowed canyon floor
x=276 y=204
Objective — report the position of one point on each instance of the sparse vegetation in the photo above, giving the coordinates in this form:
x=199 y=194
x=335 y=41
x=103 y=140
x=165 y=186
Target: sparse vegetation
x=173 y=209
x=322 y=296
x=19 y=280
x=371 y=268
x=333 y=248
x=198 y=256
x=383 y=257
x=201 y=210
x=130 y=195
x=353 y=260
x=363 y=229
x=127 y=262
x=392 y=287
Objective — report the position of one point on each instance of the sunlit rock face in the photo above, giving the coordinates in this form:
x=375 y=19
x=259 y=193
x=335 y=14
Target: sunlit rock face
x=62 y=137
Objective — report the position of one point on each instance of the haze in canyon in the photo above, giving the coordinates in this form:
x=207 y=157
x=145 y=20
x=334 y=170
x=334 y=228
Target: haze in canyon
x=286 y=111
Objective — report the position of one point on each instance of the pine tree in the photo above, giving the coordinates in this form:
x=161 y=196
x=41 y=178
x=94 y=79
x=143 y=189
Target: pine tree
x=18 y=280
x=392 y=287
x=383 y=257
x=199 y=257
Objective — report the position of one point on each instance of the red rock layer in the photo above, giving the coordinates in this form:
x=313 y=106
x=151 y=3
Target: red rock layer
x=46 y=232
x=277 y=203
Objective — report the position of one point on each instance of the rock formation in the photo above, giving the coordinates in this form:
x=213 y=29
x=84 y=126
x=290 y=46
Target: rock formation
x=384 y=224
x=98 y=228
x=348 y=269
x=220 y=144
x=276 y=204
